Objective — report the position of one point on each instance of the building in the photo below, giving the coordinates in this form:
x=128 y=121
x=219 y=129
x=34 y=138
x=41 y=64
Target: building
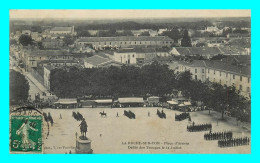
x=35 y=36
x=139 y=55
x=208 y=52
x=197 y=69
x=52 y=43
x=63 y=30
x=220 y=72
x=66 y=103
x=58 y=63
x=46 y=77
x=32 y=57
x=82 y=50
x=230 y=75
x=124 y=41
x=209 y=41
x=99 y=61
x=134 y=56
x=131 y=101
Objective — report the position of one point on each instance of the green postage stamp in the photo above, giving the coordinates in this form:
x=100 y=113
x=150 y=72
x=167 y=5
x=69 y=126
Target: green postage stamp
x=26 y=134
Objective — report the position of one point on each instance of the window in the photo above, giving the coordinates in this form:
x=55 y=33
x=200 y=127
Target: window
x=195 y=70
x=105 y=43
x=140 y=42
x=135 y=42
x=208 y=70
x=240 y=87
x=248 y=89
x=226 y=75
x=248 y=80
x=195 y=77
x=202 y=70
x=234 y=76
x=241 y=78
x=214 y=72
x=110 y=43
x=133 y=55
x=125 y=42
x=219 y=73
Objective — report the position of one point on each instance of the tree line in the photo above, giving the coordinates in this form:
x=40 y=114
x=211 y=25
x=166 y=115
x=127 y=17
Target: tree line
x=19 y=88
x=155 y=79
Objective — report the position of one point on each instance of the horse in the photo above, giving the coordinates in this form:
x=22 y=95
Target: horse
x=103 y=114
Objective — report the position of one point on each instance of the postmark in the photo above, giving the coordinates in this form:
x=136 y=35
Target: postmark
x=26 y=134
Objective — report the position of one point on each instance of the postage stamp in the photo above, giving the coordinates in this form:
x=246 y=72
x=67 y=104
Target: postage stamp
x=26 y=134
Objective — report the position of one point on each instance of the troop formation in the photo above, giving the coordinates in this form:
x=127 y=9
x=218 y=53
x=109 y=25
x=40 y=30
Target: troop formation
x=77 y=116
x=129 y=114
x=233 y=142
x=218 y=135
x=48 y=118
x=161 y=114
x=182 y=116
x=199 y=127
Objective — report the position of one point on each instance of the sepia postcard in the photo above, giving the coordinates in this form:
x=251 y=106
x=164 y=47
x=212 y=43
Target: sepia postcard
x=130 y=81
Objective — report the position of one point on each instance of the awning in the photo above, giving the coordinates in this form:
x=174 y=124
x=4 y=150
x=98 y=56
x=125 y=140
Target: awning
x=172 y=102
x=187 y=103
x=66 y=101
x=181 y=105
x=131 y=100
x=153 y=99
x=104 y=101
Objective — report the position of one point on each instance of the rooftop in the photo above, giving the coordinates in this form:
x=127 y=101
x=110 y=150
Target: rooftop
x=142 y=50
x=131 y=100
x=97 y=60
x=209 y=50
x=66 y=101
x=198 y=50
x=61 y=29
x=219 y=65
x=47 y=52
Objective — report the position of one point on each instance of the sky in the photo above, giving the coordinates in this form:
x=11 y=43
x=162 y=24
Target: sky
x=121 y=14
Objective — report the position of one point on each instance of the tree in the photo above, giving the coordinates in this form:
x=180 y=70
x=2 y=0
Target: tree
x=25 y=40
x=173 y=34
x=145 y=33
x=68 y=40
x=19 y=88
x=83 y=33
x=186 y=41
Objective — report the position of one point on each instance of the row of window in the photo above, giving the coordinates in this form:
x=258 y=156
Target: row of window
x=233 y=84
x=43 y=58
x=136 y=42
x=220 y=73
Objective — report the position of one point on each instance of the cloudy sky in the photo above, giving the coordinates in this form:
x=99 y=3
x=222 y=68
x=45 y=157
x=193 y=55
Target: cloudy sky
x=120 y=14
